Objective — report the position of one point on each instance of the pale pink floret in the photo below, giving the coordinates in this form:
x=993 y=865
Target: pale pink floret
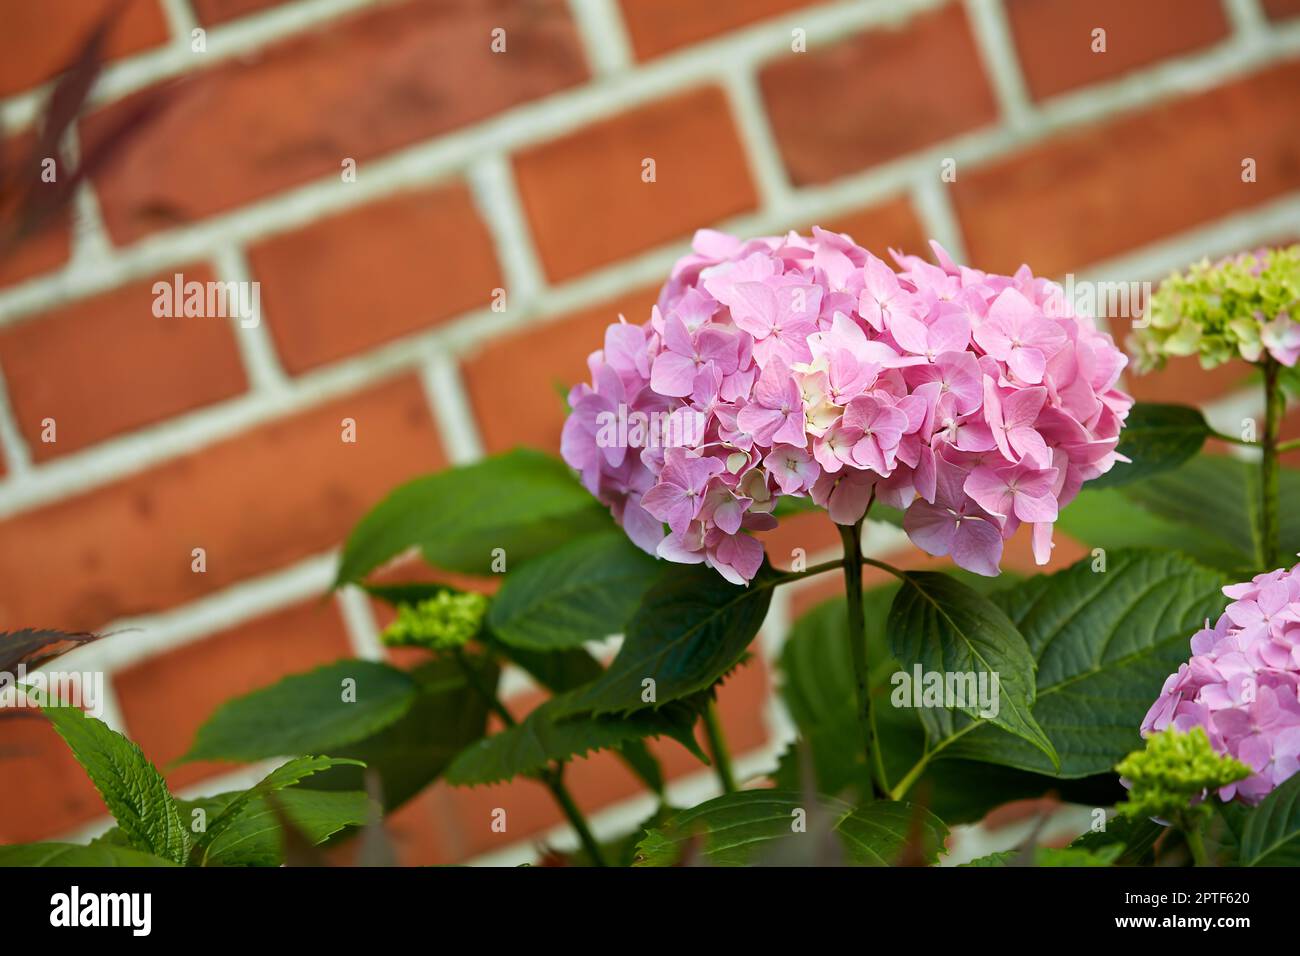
x=1241 y=683
x=797 y=366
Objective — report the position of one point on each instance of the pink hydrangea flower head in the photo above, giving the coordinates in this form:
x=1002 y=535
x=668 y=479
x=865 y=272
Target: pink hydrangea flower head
x=1241 y=684
x=806 y=367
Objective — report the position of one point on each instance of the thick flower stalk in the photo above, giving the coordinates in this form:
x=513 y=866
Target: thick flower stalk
x=1241 y=683
x=807 y=367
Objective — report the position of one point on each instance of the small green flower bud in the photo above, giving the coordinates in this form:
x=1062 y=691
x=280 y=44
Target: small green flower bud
x=1174 y=770
x=1245 y=306
x=446 y=621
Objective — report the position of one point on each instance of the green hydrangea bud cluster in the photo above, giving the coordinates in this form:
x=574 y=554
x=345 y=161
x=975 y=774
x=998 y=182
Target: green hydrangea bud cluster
x=446 y=621
x=1173 y=770
x=1243 y=306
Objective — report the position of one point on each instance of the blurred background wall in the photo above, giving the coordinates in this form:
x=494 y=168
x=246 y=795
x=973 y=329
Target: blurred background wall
x=444 y=296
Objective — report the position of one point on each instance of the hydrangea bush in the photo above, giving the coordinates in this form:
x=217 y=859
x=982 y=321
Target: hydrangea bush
x=807 y=367
x=805 y=380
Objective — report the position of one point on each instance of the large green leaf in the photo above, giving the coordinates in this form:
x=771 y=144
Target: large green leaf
x=522 y=502
x=133 y=789
x=1104 y=642
x=946 y=627
x=1208 y=508
x=691 y=628
x=564 y=670
x=286 y=775
x=756 y=826
x=584 y=591
x=1272 y=833
x=543 y=737
x=448 y=714
x=74 y=854
x=1156 y=438
x=317 y=712
x=255 y=838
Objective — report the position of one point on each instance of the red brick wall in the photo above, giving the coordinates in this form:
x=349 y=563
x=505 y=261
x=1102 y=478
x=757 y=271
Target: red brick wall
x=516 y=173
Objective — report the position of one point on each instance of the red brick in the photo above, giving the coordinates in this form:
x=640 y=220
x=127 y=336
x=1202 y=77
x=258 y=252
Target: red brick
x=220 y=11
x=657 y=26
x=461 y=826
x=1281 y=9
x=1117 y=185
x=1054 y=37
x=54 y=366
x=588 y=205
x=259 y=501
x=353 y=281
x=52 y=793
x=40 y=39
x=890 y=225
x=358 y=88
x=876 y=96
x=518 y=383
x=43 y=251
x=166 y=698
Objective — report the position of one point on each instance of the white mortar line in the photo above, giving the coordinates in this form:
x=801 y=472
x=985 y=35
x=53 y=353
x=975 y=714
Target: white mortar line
x=17 y=458
x=997 y=51
x=492 y=185
x=1247 y=19
x=451 y=409
x=359 y=620
x=933 y=204
x=181 y=20
x=604 y=38
x=256 y=349
x=758 y=142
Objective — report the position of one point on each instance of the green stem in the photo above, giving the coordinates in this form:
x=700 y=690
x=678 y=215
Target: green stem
x=1197 y=846
x=718 y=748
x=1291 y=445
x=852 y=537
x=1274 y=406
x=1231 y=439
x=553 y=777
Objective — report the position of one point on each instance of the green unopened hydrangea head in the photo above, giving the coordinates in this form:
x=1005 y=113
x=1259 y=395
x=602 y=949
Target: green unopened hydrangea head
x=446 y=621
x=1169 y=778
x=1246 y=306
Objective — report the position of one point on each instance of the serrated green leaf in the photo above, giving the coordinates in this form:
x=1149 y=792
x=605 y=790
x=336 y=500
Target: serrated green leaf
x=947 y=627
x=523 y=502
x=1053 y=857
x=1157 y=438
x=133 y=790
x=741 y=829
x=74 y=854
x=1135 y=837
x=1272 y=833
x=1104 y=642
x=307 y=713
x=255 y=839
x=544 y=736
x=286 y=775
x=584 y=591
x=1207 y=508
x=692 y=627
x=446 y=716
